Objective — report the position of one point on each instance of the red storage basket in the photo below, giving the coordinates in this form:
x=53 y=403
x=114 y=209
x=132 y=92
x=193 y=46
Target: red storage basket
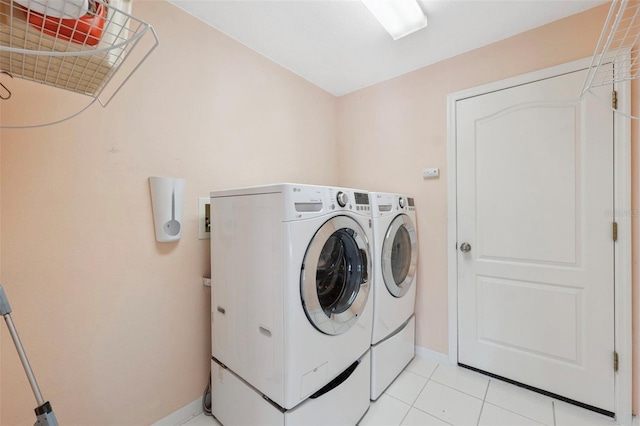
x=87 y=29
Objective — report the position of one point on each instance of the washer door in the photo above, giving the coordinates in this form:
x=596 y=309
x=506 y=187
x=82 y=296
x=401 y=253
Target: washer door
x=399 y=256
x=334 y=279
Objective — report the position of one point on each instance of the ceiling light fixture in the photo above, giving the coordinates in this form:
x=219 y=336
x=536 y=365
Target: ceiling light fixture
x=399 y=17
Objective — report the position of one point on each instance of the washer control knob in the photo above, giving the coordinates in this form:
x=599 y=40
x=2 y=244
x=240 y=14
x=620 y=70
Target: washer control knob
x=342 y=199
x=402 y=202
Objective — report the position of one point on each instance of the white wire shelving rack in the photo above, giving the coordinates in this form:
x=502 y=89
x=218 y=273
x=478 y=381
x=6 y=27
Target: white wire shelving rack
x=74 y=45
x=615 y=59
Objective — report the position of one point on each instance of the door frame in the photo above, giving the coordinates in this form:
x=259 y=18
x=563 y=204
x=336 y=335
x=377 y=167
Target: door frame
x=622 y=203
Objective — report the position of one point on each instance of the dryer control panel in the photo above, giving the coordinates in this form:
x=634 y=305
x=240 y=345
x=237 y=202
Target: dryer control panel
x=384 y=204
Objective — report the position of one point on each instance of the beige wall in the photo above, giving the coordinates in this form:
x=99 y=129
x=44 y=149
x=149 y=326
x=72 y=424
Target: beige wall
x=1 y=325
x=116 y=326
x=400 y=126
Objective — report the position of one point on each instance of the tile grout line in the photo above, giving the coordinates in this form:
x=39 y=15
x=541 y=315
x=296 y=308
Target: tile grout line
x=484 y=401
x=458 y=390
x=486 y=391
x=421 y=390
x=394 y=397
x=428 y=377
x=416 y=398
x=519 y=414
x=405 y=415
x=479 y=376
x=433 y=372
x=496 y=405
x=432 y=415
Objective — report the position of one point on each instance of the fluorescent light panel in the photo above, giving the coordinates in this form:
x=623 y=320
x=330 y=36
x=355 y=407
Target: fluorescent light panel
x=399 y=17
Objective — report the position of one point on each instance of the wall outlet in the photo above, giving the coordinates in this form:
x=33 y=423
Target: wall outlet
x=204 y=218
x=431 y=172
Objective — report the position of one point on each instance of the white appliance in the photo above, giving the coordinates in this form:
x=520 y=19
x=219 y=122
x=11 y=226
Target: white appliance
x=395 y=248
x=291 y=308
x=234 y=402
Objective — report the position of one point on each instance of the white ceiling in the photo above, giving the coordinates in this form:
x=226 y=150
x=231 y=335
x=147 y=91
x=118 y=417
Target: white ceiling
x=339 y=46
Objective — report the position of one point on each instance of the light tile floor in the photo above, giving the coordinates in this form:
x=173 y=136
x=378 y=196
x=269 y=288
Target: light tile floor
x=431 y=394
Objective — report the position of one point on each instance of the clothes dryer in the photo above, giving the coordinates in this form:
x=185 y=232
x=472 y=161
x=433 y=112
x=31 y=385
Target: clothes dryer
x=395 y=250
x=291 y=289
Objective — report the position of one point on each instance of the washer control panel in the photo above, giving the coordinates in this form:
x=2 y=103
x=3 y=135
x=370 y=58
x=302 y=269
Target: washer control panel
x=412 y=205
x=348 y=199
x=362 y=201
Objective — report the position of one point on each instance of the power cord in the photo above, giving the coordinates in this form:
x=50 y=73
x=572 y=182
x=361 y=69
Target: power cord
x=206 y=398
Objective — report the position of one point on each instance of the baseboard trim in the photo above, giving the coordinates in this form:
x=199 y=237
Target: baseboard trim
x=182 y=415
x=433 y=355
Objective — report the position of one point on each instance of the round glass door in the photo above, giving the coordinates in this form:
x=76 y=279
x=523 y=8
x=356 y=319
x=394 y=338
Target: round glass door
x=399 y=256
x=334 y=279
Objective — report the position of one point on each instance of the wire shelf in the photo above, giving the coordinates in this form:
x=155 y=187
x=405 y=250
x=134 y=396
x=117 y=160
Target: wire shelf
x=76 y=45
x=615 y=59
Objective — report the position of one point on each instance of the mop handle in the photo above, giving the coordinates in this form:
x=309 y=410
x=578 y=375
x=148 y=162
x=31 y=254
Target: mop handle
x=5 y=311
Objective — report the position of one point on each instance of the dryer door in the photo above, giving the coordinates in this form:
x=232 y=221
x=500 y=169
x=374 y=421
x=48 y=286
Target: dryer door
x=399 y=256
x=334 y=280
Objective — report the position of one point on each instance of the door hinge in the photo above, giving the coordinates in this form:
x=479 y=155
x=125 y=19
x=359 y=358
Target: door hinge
x=614 y=100
x=615 y=361
x=615 y=231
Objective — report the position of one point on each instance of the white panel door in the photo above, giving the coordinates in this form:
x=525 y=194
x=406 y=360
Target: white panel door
x=535 y=197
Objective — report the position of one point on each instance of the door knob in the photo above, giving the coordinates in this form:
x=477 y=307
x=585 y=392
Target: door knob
x=465 y=247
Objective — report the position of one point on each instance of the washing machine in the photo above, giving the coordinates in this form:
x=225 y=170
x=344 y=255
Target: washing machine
x=395 y=248
x=291 y=304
